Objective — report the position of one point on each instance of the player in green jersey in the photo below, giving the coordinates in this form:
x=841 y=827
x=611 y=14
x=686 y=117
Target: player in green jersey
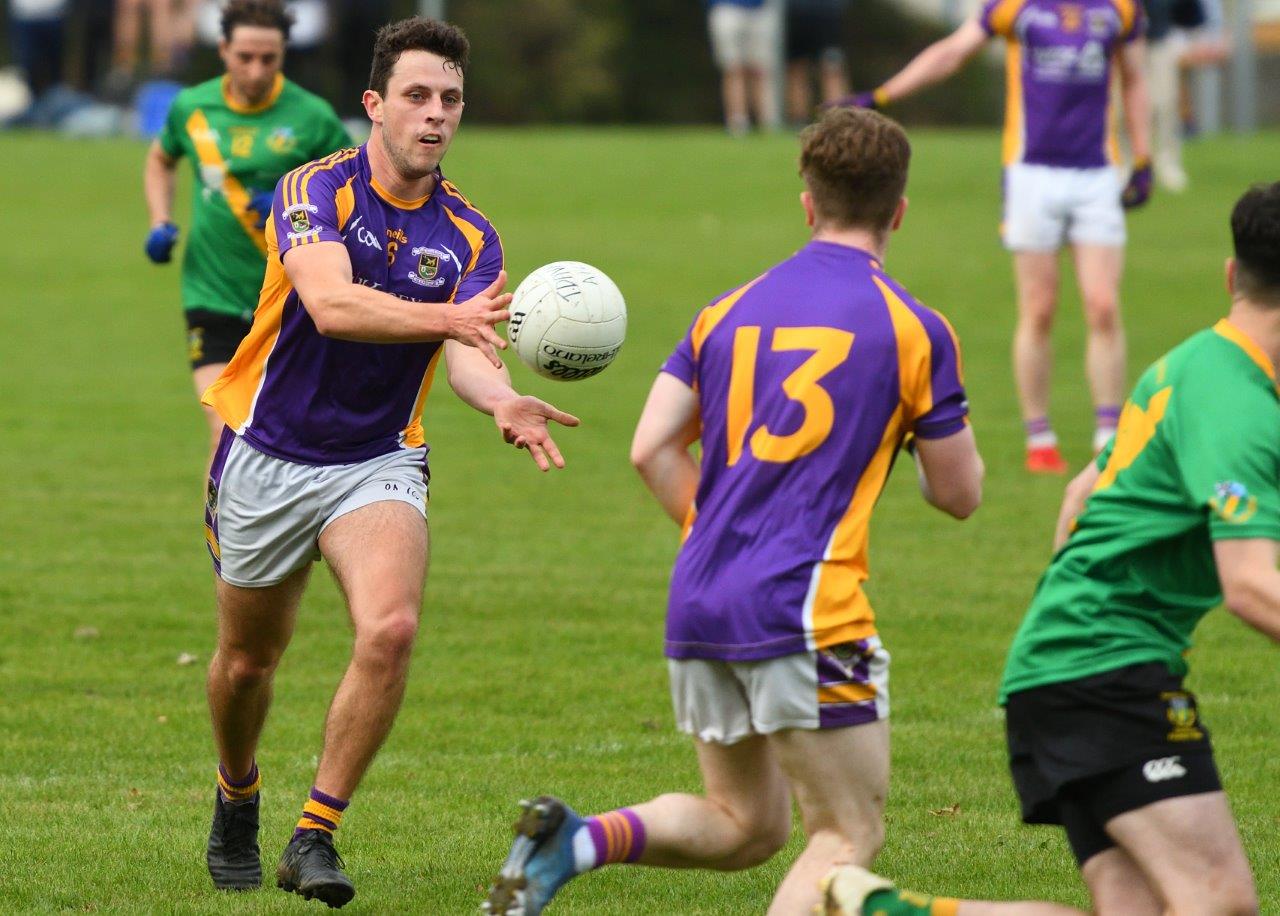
x=1180 y=511
x=242 y=131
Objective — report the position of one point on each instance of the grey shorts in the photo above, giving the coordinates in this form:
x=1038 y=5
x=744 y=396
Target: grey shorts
x=263 y=515
x=724 y=702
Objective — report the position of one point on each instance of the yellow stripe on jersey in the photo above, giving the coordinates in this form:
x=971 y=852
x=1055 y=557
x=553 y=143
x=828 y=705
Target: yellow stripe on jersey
x=1002 y=17
x=1224 y=328
x=414 y=435
x=304 y=182
x=344 y=200
x=206 y=145
x=1111 y=137
x=914 y=351
x=212 y=541
x=840 y=611
x=712 y=315
x=232 y=394
x=293 y=181
x=1014 y=115
x=1128 y=11
x=846 y=693
x=475 y=241
x=452 y=190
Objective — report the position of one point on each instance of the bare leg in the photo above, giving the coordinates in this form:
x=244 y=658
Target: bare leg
x=760 y=94
x=742 y=820
x=1098 y=269
x=834 y=78
x=1118 y=886
x=1190 y=851
x=378 y=554
x=733 y=90
x=840 y=778
x=202 y=378
x=254 y=628
x=799 y=98
x=128 y=22
x=1036 y=276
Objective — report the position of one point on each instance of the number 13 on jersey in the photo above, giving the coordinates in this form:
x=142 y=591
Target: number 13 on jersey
x=829 y=348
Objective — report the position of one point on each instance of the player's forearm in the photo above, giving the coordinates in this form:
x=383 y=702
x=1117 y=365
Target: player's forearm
x=157 y=187
x=475 y=380
x=1137 y=113
x=1073 y=500
x=671 y=474
x=350 y=311
x=932 y=65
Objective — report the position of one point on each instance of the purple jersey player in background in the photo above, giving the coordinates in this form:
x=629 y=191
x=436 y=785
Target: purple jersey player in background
x=802 y=385
x=376 y=266
x=1061 y=184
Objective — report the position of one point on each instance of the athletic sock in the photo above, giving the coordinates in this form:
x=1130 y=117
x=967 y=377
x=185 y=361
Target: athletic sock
x=238 y=791
x=1105 y=421
x=617 y=836
x=893 y=902
x=1039 y=433
x=321 y=812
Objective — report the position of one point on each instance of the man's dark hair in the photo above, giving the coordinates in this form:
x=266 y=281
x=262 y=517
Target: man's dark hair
x=269 y=14
x=416 y=34
x=854 y=162
x=1255 y=232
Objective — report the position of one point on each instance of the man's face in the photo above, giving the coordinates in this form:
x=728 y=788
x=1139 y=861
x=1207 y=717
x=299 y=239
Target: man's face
x=419 y=113
x=253 y=58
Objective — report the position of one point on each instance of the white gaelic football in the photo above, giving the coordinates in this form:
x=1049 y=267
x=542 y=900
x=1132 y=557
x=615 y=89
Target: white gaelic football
x=568 y=321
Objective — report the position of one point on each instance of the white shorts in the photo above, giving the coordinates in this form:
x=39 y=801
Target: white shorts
x=1046 y=207
x=264 y=515
x=724 y=702
x=742 y=37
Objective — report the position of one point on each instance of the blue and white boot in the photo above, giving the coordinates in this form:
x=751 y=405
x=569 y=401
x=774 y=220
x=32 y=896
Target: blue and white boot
x=541 y=860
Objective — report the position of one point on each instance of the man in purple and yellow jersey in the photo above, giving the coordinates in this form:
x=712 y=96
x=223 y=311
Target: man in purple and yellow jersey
x=1061 y=185
x=377 y=266
x=802 y=385
x=241 y=132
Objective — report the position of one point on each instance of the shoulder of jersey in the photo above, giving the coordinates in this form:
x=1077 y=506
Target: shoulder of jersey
x=338 y=167
x=456 y=201
x=210 y=91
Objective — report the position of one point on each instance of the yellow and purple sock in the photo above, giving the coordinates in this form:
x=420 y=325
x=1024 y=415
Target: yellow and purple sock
x=1039 y=433
x=238 y=791
x=1105 y=421
x=321 y=812
x=618 y=836
x=893 y=902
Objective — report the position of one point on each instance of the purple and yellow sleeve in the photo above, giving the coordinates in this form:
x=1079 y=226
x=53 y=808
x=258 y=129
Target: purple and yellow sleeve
x=996 y=16
x=1133 y=20
x=309 y=203
x=682 y=363
x=949 y=412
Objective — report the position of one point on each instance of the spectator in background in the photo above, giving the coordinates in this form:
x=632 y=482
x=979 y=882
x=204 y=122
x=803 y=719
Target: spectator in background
x=38 y=28
x=357 y=21
x=814 y=31
x=170 y=28
x=744 y=41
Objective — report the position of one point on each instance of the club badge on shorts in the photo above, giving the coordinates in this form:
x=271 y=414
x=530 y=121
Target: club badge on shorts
x=1181 y=713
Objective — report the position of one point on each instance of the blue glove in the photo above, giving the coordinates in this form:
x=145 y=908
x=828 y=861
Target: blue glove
x=260 y=203
x=160 y=242
x=1138 y=191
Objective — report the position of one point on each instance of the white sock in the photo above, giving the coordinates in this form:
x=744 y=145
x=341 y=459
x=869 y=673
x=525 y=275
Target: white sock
x=584 y=850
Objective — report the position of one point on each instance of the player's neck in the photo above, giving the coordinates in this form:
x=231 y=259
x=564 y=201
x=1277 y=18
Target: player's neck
x=390 y=178
x=1260 y=324
x=870 y=242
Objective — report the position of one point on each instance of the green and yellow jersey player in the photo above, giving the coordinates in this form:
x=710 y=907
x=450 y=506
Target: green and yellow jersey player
x=242 y=131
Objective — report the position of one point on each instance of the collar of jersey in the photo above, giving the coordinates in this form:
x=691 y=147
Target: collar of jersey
x=1238 y=337
x=266 y=103
x=399 y=202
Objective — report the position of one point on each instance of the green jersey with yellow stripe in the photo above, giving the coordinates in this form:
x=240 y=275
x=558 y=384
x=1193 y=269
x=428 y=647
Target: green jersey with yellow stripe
x=1196 y=459
x=237 y=152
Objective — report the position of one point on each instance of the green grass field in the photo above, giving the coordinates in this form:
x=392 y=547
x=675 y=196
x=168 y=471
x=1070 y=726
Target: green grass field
x=539 y=667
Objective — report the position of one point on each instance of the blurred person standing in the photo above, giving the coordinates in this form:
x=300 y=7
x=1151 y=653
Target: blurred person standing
x=242 y=131
x=744 y=41
x=357 y=21
x=814 y=32
x=38 y=29
x=170 y=28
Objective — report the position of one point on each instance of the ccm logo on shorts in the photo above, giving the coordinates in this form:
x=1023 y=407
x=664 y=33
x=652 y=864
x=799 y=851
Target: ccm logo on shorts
x=1163 y=768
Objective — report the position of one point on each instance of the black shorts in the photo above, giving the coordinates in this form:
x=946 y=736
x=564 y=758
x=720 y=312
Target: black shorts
x=1082 y=752
x=814 y=34
x=212 y=337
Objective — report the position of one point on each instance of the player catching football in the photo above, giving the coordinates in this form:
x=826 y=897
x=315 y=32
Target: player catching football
x=802 y=385
x=376 y=266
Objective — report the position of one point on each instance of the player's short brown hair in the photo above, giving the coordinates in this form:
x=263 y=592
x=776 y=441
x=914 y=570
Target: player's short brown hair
x=1255 y=234
x=854 y=163
x=416 y=34
x=269 y=14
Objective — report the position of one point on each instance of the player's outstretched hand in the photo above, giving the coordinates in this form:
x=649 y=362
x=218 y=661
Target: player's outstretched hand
x=160 y=242
x=472 y=322
x=260 y=203
x=1138 y=191
x=523 y=421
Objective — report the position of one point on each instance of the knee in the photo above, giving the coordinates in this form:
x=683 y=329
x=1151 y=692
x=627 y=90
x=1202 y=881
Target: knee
x=764 y=840
x=245 y=671
x=1102 y=314
x=1037 y=318
x=1235 y=894
x=389 y=640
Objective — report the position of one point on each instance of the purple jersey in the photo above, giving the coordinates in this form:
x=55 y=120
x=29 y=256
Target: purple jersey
x=808 y=380
x=1058 y=68
x=298 y=395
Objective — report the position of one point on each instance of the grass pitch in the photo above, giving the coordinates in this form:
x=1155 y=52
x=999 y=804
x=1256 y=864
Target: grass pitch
x=539 y=667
